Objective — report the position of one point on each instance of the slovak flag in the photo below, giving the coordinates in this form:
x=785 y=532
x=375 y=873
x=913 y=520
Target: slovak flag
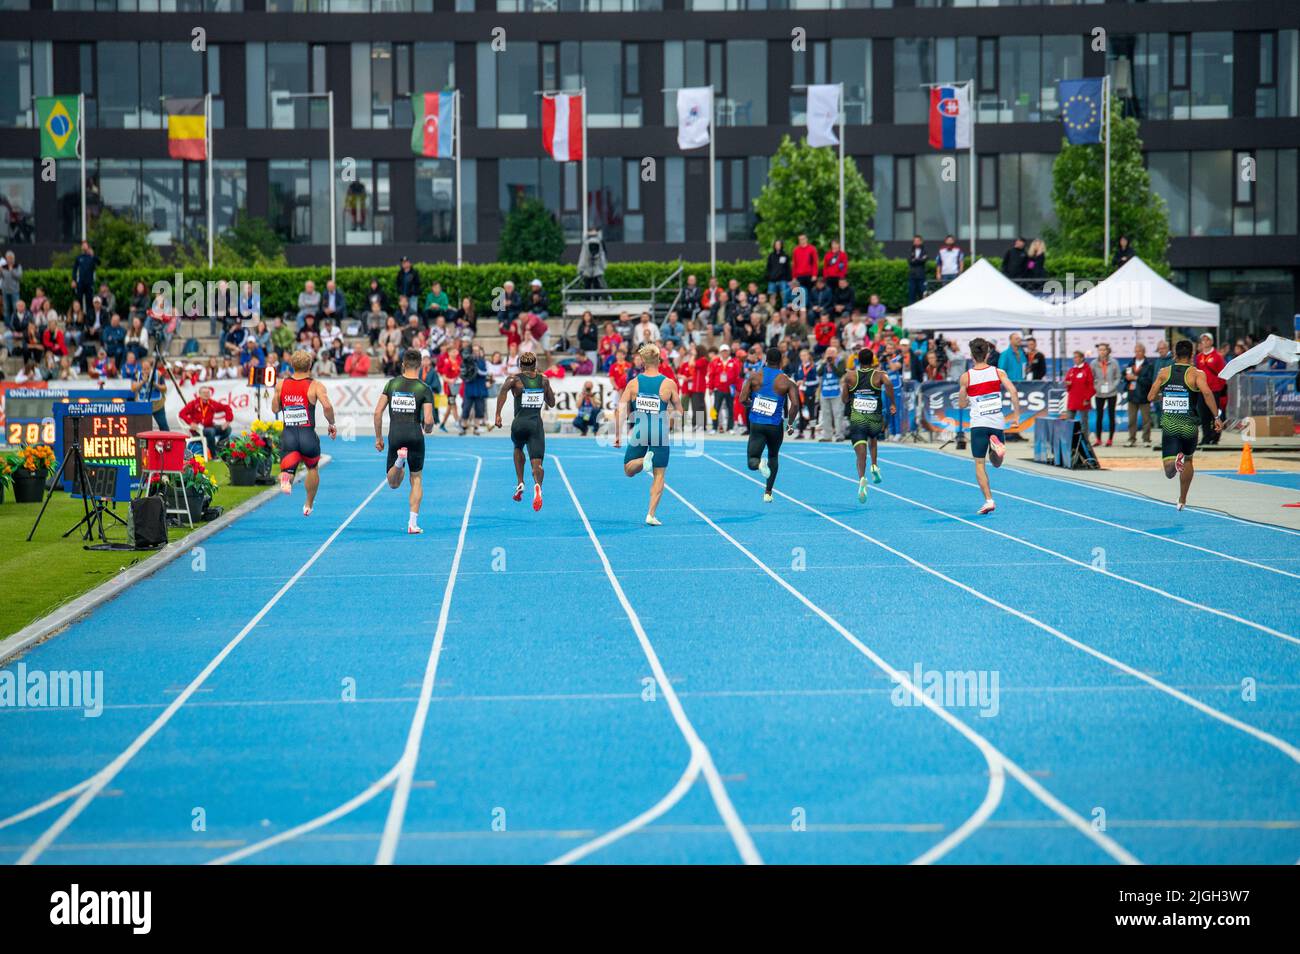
x=562 y=126
x=950 y=117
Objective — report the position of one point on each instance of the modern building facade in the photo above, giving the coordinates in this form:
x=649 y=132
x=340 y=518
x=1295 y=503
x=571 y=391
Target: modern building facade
x=1214 y=83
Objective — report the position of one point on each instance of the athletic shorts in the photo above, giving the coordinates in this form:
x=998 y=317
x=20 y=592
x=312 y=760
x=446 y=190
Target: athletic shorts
x=862 y=433
x=299 y=445
x=658 y=453
x=528 y=432
x=765 y=435
x=1171 y=445
x=979 y=440
x=413 y=441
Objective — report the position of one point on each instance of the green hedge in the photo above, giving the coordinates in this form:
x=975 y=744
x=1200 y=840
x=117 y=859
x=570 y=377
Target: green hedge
x=280 y=286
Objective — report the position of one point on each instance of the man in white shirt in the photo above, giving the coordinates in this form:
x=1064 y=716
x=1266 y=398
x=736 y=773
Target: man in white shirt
x=950 y=261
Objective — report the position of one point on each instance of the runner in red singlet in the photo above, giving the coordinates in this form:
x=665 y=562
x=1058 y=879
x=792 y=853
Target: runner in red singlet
x=296 y=398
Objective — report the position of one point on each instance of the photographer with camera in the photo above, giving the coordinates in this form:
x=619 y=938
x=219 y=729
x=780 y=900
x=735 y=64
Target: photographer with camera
x=592 y=261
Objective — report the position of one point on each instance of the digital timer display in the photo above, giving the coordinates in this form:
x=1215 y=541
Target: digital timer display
x=106 y=431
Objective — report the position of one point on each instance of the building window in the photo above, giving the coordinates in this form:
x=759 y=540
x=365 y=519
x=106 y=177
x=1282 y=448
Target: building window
x=578 y=6
x=124 y=82
x=28 y=71
x=386 y=75
x=1276 y=93
x=609 y=71
x=507 y=86
x=435 y=201
x=138 y=6
x=846 y=61
x=737 y=70
x=1172 y=76
x=17 y=202
x=675 y=199
x=277 y=75
x=738 y=183
x=298 y=209
x=365 y=206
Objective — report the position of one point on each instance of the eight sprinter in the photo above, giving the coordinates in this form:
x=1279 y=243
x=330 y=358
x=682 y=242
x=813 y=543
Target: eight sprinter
x=981 y=391
x=769 y=420
x=1178 y=387
x=531 y=392
x=865 y=388
x=649 y=394
x=296 y=397
x=410 y=416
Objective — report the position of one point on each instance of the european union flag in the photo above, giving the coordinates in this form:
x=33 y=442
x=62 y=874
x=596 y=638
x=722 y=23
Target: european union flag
x=1081 y=109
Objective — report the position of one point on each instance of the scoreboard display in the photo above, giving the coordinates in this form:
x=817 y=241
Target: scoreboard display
x=29 y=415
x=107 y=431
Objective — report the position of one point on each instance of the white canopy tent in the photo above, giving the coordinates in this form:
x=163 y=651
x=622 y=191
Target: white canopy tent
x=980 y=298
x=1136 y=297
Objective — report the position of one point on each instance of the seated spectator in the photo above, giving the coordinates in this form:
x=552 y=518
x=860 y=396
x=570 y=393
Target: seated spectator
x=820 y=298
x=333 y=304
x=357 y=364
x=645 y=332
x=587 y=336
x=435 y=303
x=391 y=362
x=691 y=297
x=536 y=331
x=376 y=294
x=582 y=364
x=114 y=340
x=824 y=333
x=308 y=303
x=510 y=306
x=201 y=414
x=140 y=300
x=842 y=300
x=250 y=302
x=408 y=280
x=539 y=303
x=252 y=353
x=376 y=321
x=672 y=330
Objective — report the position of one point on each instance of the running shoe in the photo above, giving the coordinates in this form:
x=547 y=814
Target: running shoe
x=999 y=450
x=1181 y=504
x=764 y=469
x=306 y=511
x=989 y=507
x=652 y=521
x=537 y=497
x=1179 y=462
x=410 y=529
x=519 y=493
x=767 y=498
x=401 y=458
x=286 y=483
x=875 y=474
x=862 y=490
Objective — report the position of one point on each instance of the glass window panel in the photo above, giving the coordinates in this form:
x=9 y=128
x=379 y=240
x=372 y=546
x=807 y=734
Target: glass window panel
x=230 y=183
x=1211 y=193
x=675 y=199
x=1211 y=75
x=162 y=199
x=486 y=75
x=882 y=184
x=516 y=86
x=17 y=92
x=851 y=65
x=1286 y=191
x=434 y=66
x=745 y=103
x=381 y=85
x=360 y=62
x=118 y=85
x=255 y=84
x=1169 y=179
x=289 y=205
x=1266 y=195
x=286 y=73
x=913 y=66
x=18 y=199
x=1020 y=82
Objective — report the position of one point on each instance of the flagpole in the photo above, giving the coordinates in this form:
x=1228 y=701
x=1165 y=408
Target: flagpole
x=81 y=144
x=970 y=104
x=207 y=125
x=455 y=105
x=1105 y=249
x=713 y=204
x=582 y=94
x=843 y=247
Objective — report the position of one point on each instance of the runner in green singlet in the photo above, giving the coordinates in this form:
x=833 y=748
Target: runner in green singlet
x=1178 y=387
x=409 y=402
x=531 y=392
x=864 y=390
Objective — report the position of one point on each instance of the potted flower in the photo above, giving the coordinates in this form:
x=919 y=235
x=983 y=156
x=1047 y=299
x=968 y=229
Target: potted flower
x=34 y=465
x=244 y=454
x=200 y=487
x=270 y=432
x=9 y=463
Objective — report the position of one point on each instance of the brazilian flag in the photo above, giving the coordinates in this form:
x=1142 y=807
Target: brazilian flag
x=60 y=120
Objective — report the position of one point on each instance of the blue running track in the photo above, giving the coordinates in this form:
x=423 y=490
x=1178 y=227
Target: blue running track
x=783 y=682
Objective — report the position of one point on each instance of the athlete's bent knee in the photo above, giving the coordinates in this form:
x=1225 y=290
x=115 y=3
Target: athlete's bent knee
x=754 y=462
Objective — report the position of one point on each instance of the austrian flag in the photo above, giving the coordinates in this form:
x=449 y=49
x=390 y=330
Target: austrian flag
x=950 y=117
x=562 y=126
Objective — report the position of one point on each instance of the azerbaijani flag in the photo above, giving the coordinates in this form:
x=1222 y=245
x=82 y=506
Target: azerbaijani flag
x=187 y=134
x=434 y=121
x=562 y=126
x=60 y=121
x=950 y=117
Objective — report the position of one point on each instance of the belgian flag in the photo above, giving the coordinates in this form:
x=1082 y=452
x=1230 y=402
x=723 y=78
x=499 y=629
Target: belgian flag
x=187 y=129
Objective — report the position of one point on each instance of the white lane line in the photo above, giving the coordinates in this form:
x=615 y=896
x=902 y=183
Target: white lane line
x=1130 y=495
x=660 y=808
x=50 y=802
x=1282 y=746
x=109 y=772
x=998 y=764
x=699 y=751
x=1061 y=556
x=319 y=821
x=1085 y=516
x=411 y=754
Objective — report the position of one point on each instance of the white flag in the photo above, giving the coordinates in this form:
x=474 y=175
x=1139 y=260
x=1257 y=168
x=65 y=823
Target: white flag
x=823 y=114
x=694 y=116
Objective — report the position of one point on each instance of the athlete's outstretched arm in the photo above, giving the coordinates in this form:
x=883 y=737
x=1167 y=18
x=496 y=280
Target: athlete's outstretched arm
x=507 y=388
x=550 y=395
x=323 y=398
x=379 y=421
x=1161 y=377
x=745 y=388
x=1012 y=393
x=620 y=409
x=1203 y=385
x=893 y=399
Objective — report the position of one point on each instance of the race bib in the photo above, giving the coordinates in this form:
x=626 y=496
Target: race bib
x=403 y=402
x=1175 y=402
x=648 y=403
x=295 y=416
x=866 y=403
x=988 y=403
x=532 y=399
x=765 y=406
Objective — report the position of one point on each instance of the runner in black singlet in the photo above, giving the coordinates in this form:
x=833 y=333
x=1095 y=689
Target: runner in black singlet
x=532 y=392
x=410 y=416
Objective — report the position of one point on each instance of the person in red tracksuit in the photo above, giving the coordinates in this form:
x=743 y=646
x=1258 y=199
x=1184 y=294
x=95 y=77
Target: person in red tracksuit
x=695 y=372
x=803 y=262
x=836 y=264
x=1210 y=362
x=721 y=382
x=1079 y=389
x=448 y=365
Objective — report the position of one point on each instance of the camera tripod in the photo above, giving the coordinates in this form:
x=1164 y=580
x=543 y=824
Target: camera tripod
x=94 y=507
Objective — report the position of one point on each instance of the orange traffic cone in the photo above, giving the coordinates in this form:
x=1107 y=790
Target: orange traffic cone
x=1247 y=464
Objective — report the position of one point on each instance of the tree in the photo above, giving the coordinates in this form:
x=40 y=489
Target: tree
x=1078 y=194
x=531 y=234
x=802 y=194
x=249 y=243
x=119 y=242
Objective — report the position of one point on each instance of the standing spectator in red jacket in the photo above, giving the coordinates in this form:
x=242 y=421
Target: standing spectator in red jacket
x=803 y=262
x=357 y=364
x=619 y=370
x=836 y=264
x=721 y=382
x=1079 y=390
x=824 y=334
x=1210 y=362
